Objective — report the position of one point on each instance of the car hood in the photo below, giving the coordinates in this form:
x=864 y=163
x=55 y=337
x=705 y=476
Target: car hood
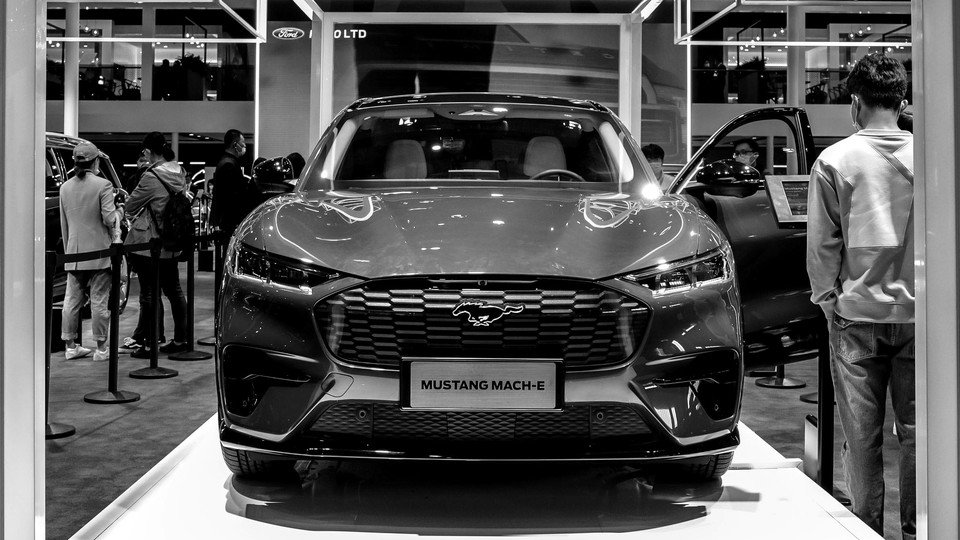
x=518 y=231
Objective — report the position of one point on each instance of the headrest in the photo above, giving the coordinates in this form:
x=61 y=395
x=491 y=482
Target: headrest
x=405 y=160
x=543 y=152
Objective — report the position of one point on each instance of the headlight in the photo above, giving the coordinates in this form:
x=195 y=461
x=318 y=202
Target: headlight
x=680 y=276
x=269 y=268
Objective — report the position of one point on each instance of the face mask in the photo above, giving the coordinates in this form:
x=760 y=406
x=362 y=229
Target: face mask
x=657 y=167
x=746 y=159
x=241 y=150
x=855 y=112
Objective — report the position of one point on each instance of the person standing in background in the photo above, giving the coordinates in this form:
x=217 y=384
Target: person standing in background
x=654 y=154
x=860 y=262
x=89 y=221
x=233 y=195
x=145 y=212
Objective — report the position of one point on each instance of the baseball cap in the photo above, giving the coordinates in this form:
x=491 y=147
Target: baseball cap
x=85 y=152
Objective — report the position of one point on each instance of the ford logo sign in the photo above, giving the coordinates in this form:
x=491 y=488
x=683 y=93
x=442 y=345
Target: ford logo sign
x=288 y=33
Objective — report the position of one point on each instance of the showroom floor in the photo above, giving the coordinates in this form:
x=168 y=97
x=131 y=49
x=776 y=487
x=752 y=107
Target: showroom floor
x=116 y=444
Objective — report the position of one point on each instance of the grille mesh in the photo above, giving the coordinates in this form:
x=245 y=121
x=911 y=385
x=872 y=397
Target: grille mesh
x=383 y=421
x=585 y=325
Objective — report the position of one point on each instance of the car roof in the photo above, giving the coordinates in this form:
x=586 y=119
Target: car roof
x=59 y=140
x=474 y=97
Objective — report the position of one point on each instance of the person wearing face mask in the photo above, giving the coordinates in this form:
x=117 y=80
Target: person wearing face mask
x=654 y=154
x=860 y=263
x=144 y=210
x=233 y=196
x=746 y=151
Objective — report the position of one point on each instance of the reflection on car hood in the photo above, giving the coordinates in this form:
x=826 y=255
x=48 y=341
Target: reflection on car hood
x=520 y=231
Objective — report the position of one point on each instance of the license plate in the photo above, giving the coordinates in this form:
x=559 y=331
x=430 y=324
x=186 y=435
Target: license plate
x=482 y=385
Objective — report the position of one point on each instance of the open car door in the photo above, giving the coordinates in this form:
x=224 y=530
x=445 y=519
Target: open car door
x=731 y=187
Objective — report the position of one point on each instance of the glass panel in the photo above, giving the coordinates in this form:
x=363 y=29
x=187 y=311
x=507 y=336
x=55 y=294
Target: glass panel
x=576 y=61
x=827 y=67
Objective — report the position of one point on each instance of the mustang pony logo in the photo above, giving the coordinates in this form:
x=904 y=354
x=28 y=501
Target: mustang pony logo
x=482 y=313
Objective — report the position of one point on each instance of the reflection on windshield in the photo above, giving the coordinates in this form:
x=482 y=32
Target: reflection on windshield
x=487 y=142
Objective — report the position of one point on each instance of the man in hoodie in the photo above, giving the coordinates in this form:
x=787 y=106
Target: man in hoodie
x=89 y=221
x=860 y=263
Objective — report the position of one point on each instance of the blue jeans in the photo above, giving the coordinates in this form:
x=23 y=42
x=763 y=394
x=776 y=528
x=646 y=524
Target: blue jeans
x=866 y=359
x=77 y=282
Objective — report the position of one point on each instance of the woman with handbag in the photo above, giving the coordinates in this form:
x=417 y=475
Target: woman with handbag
x=144 y=209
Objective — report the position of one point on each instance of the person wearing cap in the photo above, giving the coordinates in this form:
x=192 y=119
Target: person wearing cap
x=89 y=221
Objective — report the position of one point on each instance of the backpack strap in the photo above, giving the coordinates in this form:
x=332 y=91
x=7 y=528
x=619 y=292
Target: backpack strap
x=162 y=183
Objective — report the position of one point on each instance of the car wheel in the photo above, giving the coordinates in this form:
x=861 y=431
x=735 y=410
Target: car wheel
x=696 y=470
x=252 y=465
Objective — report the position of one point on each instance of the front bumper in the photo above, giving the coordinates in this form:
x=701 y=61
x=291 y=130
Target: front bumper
x=677 y=397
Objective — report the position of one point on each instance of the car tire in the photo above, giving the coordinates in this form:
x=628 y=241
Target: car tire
x=252 y=465
x=696 y=470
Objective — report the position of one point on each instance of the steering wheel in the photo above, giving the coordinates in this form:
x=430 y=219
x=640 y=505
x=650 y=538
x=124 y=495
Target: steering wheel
x=559 y=173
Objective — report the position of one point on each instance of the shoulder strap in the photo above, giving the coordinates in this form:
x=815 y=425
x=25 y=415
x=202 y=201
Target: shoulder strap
x=162 y=183
x=901 y=168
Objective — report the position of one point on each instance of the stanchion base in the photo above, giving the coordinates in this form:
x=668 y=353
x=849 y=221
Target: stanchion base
x=780 y=382
x=812 y=397
x=209 y=341
x=154 y=373
x=107 y=397
x=190 y=355
x=59 y=431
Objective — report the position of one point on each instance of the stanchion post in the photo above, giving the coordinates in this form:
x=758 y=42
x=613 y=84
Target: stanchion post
x=54 y=430
x=154 y=371
x=190 y=354
x=218 y=247
x=112 y=394
x=825 y=412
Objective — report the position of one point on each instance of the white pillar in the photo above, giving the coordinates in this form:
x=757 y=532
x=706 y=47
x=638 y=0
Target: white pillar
x=316 y=72
x=22 y=116
x=175 y=144
x=631 y=82
x=149 y=20
x=935 y=53
x=71 y=73
x=796 y=57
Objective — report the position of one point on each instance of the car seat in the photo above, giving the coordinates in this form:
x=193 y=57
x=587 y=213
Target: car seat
x=543 y=152
x=405 y=159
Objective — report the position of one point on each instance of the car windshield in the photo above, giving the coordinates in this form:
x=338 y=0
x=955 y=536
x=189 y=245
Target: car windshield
x=457 y=142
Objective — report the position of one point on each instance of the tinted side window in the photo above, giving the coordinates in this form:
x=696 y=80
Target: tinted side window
x=54 y=173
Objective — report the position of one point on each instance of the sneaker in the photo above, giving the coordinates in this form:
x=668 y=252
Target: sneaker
x=174 y=347
x=130 y=345
x=142 y=352
x=100 y=356
x=77 y=352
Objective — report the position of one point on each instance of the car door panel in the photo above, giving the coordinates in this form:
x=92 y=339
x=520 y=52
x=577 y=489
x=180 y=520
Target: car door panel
x=779 y=319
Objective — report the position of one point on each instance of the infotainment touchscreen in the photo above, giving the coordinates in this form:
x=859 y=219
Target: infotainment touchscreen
x=788 y=196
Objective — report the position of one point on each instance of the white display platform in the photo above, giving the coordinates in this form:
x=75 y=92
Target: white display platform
x=191 y=494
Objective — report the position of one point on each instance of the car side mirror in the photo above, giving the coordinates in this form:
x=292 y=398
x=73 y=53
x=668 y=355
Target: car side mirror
x=730 y=178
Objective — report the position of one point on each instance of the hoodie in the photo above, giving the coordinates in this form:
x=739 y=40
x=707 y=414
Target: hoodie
x=860 y=228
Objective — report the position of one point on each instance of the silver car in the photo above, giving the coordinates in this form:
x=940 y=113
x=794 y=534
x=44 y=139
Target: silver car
x=479 y=277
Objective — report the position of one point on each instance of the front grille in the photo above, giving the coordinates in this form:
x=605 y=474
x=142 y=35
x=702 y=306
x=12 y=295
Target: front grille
x=582 y=323
x=386 y=421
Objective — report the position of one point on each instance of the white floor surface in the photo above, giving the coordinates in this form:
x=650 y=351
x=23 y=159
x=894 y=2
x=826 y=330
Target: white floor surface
x=190 y=494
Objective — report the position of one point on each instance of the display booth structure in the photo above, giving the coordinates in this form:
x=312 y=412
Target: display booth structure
x=191 y=494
